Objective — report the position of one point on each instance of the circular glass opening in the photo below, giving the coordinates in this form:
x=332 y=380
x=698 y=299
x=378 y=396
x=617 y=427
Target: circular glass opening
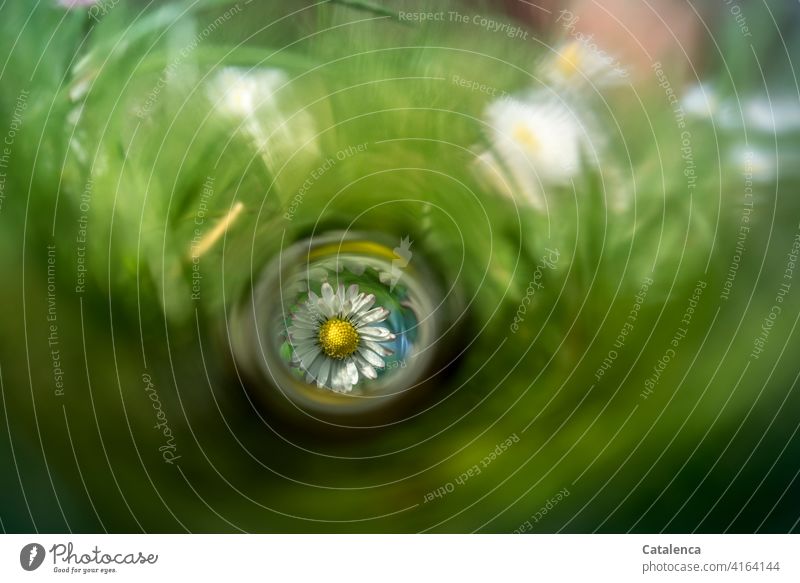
x=341 y=324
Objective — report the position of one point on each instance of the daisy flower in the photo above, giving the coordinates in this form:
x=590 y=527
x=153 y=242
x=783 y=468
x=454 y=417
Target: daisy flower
x=578 y=62
x=336 y=340
x=539 y=141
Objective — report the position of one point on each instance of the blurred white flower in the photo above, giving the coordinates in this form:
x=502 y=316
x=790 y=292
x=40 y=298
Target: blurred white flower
x=259 y=98
x=763 y=165
x=701 y=101
x=773 y=116
x=241 y=92
x=579 y=62
x=728 y=116
x=755 y=163
x=538 y=141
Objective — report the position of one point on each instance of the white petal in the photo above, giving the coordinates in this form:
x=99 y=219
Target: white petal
x=375 y=333
x=299 y=325
x=304 y=316
x=327 y=293
x=352 y=292
x=307 y=313
x=340 y=378
x=371 y=357
x=348 y=307
x=307 y=356
x=301 y=342
x=324 y=372
x=337 y=301
x=363 y=304
x=303 y=330
x=374 y=315
x=325 y=308
x=299 y=337
x=304 y=346
x=378 y=348
x=352 y=371
x=305 y=323
x=312 y=371
x=366 y=368
x=313 y=368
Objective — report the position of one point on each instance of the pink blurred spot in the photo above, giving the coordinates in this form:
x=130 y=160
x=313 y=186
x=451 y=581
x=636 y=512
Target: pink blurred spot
x=69 y=4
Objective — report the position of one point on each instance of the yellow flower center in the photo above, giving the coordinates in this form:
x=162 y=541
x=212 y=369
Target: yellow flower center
x=569 y=59
x=524 y=136
x=338 y=338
